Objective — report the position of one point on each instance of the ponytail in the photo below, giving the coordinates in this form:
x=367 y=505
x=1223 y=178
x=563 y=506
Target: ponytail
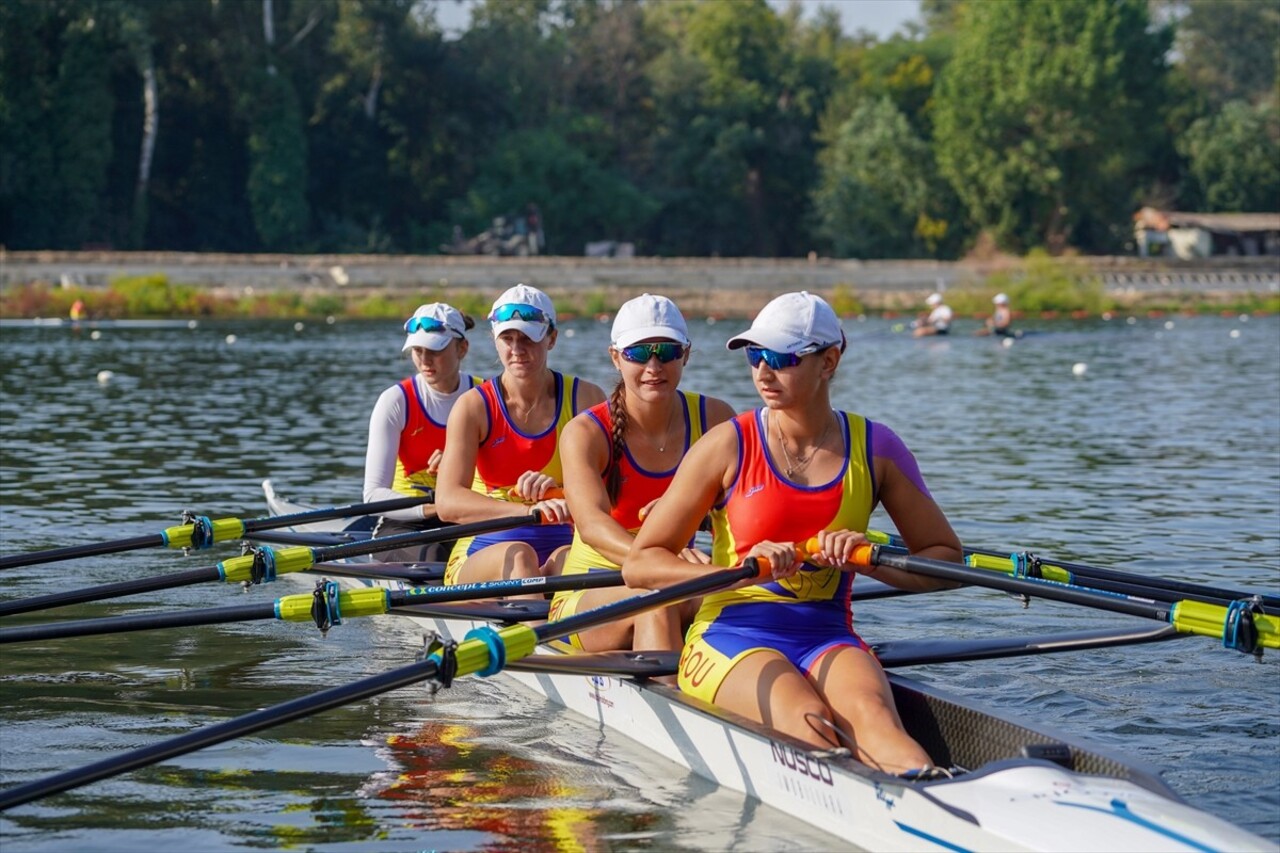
x=618 y=416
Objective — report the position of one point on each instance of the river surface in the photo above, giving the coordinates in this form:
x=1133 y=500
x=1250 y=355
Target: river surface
x=1163 y=457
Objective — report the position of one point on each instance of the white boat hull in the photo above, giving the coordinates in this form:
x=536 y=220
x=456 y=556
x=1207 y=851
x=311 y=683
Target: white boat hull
x=1007 y=802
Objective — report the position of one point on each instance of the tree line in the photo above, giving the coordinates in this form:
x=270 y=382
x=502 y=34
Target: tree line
x=688 y=127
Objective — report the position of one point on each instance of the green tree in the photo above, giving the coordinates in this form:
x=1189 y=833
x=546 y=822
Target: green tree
x=1230 y=49
x=1046 y=115
x=1234 y=158
x=874 y=185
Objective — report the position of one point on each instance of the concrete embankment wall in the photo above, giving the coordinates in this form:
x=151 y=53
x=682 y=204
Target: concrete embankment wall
x=726 y=285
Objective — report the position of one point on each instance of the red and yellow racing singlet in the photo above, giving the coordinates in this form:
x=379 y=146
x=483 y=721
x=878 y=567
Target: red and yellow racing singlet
x=506 y=452
x=420 y=437
x=761 y=505
x=639 y=487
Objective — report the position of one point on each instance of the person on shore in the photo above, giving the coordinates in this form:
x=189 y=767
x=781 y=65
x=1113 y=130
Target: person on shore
x=506 y=433
x=938 y=320
x=407 y=427
x=1001 y=318
x=783 y=651
x=619 y=457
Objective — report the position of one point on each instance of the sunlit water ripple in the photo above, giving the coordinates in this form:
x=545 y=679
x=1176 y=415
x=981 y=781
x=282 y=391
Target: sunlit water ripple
x=1163 y=458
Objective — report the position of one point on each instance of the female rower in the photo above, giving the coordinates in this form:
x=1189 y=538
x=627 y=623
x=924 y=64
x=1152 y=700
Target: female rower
x=783 y=652
x=505 y=432
x=619 y=457
x=1001 y=318
x=406 y=430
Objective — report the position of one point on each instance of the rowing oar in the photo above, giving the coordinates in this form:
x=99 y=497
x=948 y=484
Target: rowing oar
x=484 y=651
x=264 y=565
x=327 y=606
x=202 y=532
x=1026 y=564
x=1241 y=625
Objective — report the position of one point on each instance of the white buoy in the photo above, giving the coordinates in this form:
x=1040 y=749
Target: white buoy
x=569 y=333
x=339 y=276
x=104 y=376
x=331 y=319
x=1131 y=320
x=1006 y=343
x=1106 y=315
x=1235 y=333
x=191 y=324
x=711 y=321
x=1079 y=368
x=299 y=326
x=1168 y=324
x=1244 y=318
x=95 y=335
x=231 y=339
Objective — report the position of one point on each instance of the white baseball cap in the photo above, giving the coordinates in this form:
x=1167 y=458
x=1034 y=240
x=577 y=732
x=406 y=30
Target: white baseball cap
x=525 y=309
x=793 y=323
x=934 y=299
x=1000 y=299
x=646 y=317
x=433 y=326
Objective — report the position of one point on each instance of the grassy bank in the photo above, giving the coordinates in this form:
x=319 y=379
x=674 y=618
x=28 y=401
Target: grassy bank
x=1044 y=287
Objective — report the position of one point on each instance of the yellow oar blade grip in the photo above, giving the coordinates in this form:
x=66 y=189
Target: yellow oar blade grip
x=1005 y=564
x=220 y=530
x=358 y=602
x=474 y=655
x=287 y=560
x=1210 y=620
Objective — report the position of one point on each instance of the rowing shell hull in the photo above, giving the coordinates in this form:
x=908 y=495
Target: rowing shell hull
x=1007 y=802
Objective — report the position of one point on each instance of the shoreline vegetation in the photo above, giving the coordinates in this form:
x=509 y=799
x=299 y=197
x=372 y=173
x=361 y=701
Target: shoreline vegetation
x=146 y=285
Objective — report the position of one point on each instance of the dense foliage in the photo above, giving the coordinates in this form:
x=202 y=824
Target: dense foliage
x=688 y=127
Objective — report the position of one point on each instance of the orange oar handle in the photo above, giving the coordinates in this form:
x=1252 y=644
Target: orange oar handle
x=862 y=555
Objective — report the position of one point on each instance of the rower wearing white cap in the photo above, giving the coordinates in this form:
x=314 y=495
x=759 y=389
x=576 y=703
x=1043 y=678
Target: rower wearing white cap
x=619 y=457
x=783 y=651
x=1001 y=318
x=505 y=433
x=407 y=427
x=939 y=320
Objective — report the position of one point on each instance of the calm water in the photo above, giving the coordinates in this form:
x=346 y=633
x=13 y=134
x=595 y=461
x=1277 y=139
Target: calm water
x=1163 y=458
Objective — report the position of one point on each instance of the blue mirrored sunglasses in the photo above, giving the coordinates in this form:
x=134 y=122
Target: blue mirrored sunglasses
x=425 y=324
x=641 y=353
x=778 y=360
x=514 y=311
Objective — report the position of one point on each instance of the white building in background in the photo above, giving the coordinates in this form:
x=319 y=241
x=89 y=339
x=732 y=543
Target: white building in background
x=1204 y=235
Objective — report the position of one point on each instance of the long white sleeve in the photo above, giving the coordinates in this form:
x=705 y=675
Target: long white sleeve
x=385 y=424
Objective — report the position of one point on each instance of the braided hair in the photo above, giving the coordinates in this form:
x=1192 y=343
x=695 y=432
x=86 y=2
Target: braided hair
x=618 y=416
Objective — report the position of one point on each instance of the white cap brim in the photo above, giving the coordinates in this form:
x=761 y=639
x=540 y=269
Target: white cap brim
x=768 y=339
x=435 y=341
x=635 y=336
x=533 y=331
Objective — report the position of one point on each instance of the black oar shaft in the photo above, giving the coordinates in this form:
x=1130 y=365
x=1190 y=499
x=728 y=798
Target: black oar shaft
x=159 y=540
x=111 y=590
x=492 y=589
x=313 y=556
x=882 y=555
x=303 y=706
x=1182 y=589
x=70 y=552
x=337 y=696
x=137 y=622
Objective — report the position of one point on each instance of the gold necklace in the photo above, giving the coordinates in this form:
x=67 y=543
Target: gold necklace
x=798 y=464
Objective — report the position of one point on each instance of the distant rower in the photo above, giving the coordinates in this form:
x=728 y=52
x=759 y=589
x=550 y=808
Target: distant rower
x=939 y=320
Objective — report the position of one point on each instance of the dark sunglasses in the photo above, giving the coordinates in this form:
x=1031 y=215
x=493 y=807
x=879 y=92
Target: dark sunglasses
x=425 y=324
x=641 y=353
x=778 y=360
x=528 y=313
